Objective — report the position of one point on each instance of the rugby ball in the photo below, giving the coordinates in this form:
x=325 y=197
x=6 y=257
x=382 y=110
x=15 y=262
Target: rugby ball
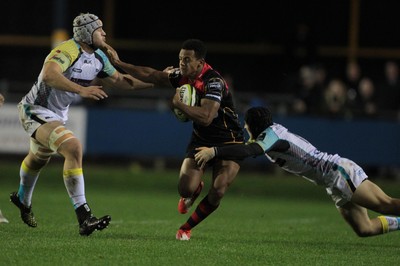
x=189 y=97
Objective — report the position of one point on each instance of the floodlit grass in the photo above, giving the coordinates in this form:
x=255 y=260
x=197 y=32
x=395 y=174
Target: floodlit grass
x=263 y=220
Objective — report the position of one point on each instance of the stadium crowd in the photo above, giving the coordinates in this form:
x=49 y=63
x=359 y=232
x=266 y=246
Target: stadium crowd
x=353 y=95
x=352 y=92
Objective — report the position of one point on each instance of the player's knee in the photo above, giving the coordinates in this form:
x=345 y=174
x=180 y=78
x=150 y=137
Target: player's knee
x=364 y=231
x=63 y=141
x=34 y=162
x=188 y=184
x=220 y=186
x=59 y=136
x=183 y=191
x=219 y=192
x=71 y=148
x=186 y=190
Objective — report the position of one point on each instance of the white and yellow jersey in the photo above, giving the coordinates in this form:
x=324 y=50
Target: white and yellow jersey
x=78 y=66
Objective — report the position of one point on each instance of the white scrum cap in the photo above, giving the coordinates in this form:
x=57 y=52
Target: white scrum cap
x=84 y=26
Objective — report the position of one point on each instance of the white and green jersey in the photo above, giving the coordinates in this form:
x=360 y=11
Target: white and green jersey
x=340 y=176
x=295 y=154
x=78 y=66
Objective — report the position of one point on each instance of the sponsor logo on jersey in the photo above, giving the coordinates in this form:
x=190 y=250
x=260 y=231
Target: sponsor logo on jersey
x=77 y=70
x=82 y=82
x=214 y=85
x=56 y=58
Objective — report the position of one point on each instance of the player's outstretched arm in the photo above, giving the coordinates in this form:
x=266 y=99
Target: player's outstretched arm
x=123 y=81
x=235 y=151
x=142 y=73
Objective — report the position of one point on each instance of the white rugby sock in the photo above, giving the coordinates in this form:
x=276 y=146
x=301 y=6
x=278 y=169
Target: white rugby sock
x=75 y=185
x=28 y=178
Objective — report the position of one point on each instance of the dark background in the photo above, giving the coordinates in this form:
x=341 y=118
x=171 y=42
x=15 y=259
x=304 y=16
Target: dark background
x=231 y=31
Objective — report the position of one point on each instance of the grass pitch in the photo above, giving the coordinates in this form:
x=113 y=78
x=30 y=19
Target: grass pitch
x=264 y=219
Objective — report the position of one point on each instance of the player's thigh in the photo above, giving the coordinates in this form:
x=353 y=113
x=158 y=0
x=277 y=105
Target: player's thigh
x=43 y=133
x=370 y=196
x=190 y=175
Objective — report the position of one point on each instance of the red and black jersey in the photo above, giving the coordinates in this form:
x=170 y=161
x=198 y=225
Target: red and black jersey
x=225 y=128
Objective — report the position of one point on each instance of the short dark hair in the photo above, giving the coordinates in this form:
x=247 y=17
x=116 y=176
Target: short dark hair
x=258 y=119
x=197 y=46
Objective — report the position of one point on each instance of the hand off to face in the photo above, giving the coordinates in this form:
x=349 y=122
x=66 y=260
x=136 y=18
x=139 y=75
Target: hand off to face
x=203 y=155
x=169 y=69
x=111 y=53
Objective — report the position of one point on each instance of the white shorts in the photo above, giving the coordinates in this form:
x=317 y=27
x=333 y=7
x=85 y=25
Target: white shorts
x=33 y=116
x=346 y=178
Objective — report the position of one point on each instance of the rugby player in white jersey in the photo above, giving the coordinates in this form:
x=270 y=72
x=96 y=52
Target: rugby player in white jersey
x=346 y=182
x=76 y=67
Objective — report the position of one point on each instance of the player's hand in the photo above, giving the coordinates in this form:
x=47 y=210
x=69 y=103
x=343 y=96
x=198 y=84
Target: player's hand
x=169 y=69
x=176 y=99
x=93 y=92
x=111 y=53
x=203 y=155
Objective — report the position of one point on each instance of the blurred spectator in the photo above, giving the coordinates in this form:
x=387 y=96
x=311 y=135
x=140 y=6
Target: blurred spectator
x=365 y=104
x=353 y=75
x=389 y=90
x=352 y=78
x=335 y=101
x=321 y=75
x=308 y=93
